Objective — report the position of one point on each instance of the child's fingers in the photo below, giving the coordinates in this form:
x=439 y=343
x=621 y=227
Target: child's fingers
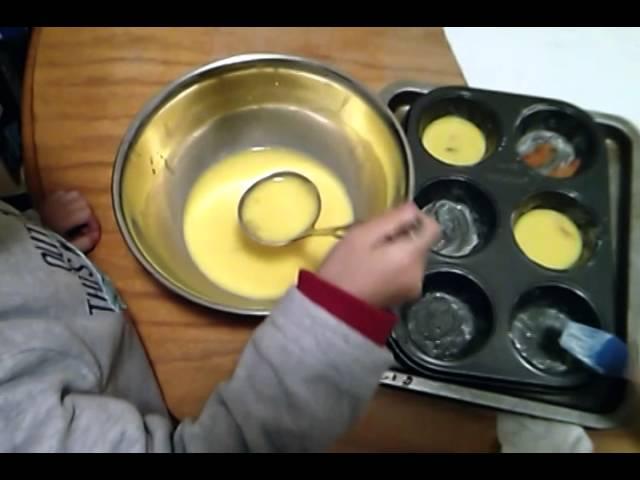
x=68 y=213
x=390 y=223
x=73 y=194
x=425 y=237
x=85 y=242
x=59 y=194
x=89 y=235
x=75 y=218
x=74 y=198
x=93 y=227
x=416 y=237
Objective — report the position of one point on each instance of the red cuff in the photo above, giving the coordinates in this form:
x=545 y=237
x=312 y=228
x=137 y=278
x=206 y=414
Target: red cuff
x=373 y=323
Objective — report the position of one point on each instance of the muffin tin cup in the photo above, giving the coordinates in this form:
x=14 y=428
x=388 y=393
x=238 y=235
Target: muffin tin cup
x=573 y=209
x=467 y=215
x=537 y=321
x=509 y=188
x=574 y=133
x=450 y=322
x=469 y=106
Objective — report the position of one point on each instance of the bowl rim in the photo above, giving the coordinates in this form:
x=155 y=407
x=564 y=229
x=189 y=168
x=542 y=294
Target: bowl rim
x=232 y=62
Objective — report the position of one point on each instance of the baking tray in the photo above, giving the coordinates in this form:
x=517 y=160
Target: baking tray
x=622 y=141
x=497 y=274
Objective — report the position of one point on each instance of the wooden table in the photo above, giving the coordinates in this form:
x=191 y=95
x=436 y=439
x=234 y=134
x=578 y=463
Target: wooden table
x=82 y=88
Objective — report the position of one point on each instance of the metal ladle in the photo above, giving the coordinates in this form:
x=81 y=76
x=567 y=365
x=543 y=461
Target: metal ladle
x=308 y=230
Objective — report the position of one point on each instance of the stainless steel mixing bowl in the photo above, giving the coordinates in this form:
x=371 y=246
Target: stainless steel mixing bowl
x=235 y=104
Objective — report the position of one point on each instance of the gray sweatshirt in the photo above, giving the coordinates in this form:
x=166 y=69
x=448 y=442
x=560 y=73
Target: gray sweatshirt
x=74 y=376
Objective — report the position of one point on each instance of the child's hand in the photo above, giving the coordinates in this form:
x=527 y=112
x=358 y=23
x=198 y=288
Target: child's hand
x=69 y=215
x=378 y=263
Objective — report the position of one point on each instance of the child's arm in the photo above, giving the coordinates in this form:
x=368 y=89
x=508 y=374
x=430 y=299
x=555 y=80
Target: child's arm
x=302 y=380
x=310 y=369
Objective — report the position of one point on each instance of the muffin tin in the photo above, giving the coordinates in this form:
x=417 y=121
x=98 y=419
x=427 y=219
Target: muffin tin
x=496 y=281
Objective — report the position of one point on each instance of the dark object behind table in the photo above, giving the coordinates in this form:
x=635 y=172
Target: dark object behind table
x=512 y=282
x=13 y=51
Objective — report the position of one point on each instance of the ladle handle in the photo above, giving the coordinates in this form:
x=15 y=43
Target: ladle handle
x=337 y=232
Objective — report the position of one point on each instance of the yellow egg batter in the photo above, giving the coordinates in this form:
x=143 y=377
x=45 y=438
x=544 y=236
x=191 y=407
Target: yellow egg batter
x=225 y=254
x=549 y=238
x=280 y=208
x=454 y=140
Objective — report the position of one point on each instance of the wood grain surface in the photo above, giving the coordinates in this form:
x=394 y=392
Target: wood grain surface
x=84 y=85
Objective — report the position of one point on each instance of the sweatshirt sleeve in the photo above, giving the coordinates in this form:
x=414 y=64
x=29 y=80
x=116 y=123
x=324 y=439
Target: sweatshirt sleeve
x=302 y=381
